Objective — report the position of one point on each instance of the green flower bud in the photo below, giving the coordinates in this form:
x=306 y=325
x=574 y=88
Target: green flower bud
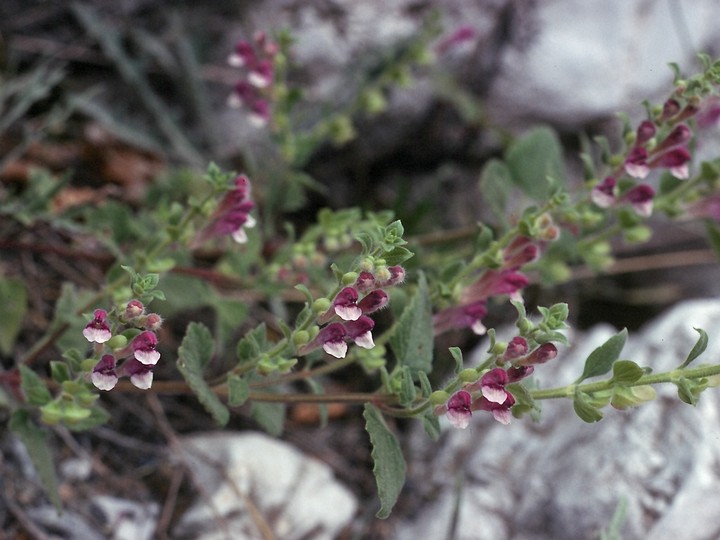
x=499 y=348
x=468 y=375
x=51 y=414
x=349 y=278
x=637 y=234
x=117 y=342
x=301 y=337
x=439 y=397
x=321 y=305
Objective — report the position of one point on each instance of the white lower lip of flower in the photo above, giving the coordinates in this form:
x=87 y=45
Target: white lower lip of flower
x=502 y=415
x=337 y=349
x=142 y=381
x=348 y=313
x=496 y=395
x=365 y=340
x=478 y=328
x=240 y=236
x=96 y=335
x=103 y=382
x=149 y=358
x=460 y=420
x=637 y=171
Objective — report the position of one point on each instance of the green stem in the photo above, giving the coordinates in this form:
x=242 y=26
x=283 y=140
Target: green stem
x=652 y=379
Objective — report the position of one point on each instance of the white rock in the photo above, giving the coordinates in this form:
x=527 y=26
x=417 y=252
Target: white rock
x=592 y=59
x=251 y=481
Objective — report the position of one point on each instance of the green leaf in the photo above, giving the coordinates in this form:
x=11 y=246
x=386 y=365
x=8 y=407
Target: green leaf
x=584 y=409
x=496 y=186
x=699 y=348
x=389 y=463
x=397 y=255
x=13 y=306
x=532 y=159
x=713 y=233
x=601 y=359
x=97 y=417
x=689 y=390
x=35 y=440
x=194 y=353
x=33 y=387
x=252 y=344
x=431 y=423
x=457 y=355
x=408 y=391
x=412 y=339
x=238 y=390
x=59 y=371
x=626 y=372
x=270 y=416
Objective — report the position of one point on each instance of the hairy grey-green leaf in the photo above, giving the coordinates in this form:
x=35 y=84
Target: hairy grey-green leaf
x=35 y=440
x=388 y=461
x=194 y=353
x=412 y=339
x=601 y=359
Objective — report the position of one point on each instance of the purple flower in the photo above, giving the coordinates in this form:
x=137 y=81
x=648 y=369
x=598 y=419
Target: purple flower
x=603 y=194
x=104 y=376
x=243 y=55
x=373 y=301
x=517 y=373
x=365 y=282
x=710 y=113
x=344 y=305
x=676 y=160
x=539 y=355
x=459 y=410
x=645 y=132
x=141 y=375
x=670 y=108
x=259 y=113
x=636 y=163
x=261 y=74
x=255 y=88
x=679 y=136
x=332 y=340
x=97 y=330
x=496 y=283
x=500 y=411
x=143 y=347
x=641 y=199
x=390 y=276
x=492 y=385
x=457 y=317
x=517 y=347
x=359 y=331
x=521 y=251
x=133 y=310
x=232 y=215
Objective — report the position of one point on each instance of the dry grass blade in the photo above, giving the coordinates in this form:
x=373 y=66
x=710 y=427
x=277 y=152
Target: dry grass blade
x=109 y=41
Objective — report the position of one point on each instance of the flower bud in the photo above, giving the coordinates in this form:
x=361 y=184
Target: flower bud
x=468 y=375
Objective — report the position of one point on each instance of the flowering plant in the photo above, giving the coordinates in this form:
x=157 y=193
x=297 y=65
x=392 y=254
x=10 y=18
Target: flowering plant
x=352 y=289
